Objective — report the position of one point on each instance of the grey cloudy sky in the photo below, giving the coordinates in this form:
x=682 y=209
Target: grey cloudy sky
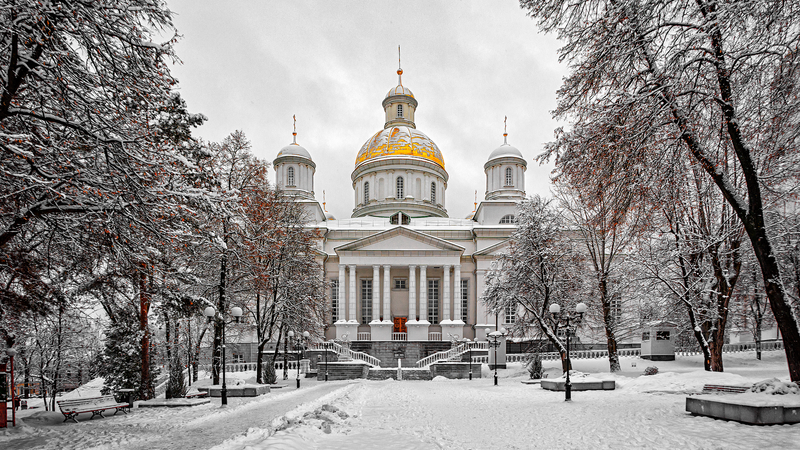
x=251 y=65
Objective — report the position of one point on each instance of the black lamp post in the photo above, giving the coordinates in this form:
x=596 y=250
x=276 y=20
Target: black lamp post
x=325 y=349
x=294 y=349
x=563 y=321
x=495 y=339
x=468 y=343
x=211 y=313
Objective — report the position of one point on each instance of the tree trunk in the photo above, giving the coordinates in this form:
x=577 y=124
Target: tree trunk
x=610 y=325
x=260 y=362
x=146 y=389
x=217 y=352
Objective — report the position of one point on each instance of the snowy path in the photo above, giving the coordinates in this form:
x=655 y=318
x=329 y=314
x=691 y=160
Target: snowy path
x=169 y=428
x=456 y=414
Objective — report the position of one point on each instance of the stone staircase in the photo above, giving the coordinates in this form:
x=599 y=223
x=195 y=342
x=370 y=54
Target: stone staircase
x=343 y=371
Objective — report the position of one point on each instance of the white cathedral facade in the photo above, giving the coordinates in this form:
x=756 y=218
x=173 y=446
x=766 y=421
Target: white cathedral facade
x=400 y=269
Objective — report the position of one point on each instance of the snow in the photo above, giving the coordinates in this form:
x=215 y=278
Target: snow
x=643 y=412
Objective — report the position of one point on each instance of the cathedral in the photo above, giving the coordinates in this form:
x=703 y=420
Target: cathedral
x=400 y=269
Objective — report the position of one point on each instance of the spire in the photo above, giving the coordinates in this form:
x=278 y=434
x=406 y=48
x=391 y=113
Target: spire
x=399 y=69
x=505 y=130
x=294 y=131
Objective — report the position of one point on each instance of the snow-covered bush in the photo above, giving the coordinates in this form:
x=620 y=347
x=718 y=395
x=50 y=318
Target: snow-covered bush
x=652 y=370
x=775 y=386
x=268 y=371
x=534 y=366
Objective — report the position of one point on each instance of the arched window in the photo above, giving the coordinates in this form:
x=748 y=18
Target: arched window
x=290 y=176
x=366 y=192
x=433 y=192
x=399 y=110
x=400 y=191
x=507 y=219
x=509 y=177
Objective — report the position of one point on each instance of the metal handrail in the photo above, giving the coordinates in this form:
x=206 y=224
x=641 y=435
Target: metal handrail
x=449 y=355
x=342 y=351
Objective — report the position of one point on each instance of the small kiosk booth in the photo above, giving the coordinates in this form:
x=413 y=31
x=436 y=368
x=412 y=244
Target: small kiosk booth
x=658 y=341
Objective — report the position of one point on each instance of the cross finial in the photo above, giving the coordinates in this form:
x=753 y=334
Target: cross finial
x=475 y=207
x=505 y=130
x=294 y=129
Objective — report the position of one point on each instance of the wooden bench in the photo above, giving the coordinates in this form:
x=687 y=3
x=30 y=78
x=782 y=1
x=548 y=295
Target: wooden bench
x=723 y=389
x=95 y=405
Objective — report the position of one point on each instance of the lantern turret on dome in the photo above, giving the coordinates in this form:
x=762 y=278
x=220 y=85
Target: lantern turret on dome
x=399 y=169
x=294 y=169
x=505 y=172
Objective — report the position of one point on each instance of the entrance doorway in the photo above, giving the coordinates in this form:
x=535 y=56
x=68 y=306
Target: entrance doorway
x=400 y=325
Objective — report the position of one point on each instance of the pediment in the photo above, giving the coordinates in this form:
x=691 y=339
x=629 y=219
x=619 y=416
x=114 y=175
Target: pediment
x=400 y=238
x=494 y=250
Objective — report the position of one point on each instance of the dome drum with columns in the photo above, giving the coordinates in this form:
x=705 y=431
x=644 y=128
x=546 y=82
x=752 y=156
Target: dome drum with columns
x=400 y=270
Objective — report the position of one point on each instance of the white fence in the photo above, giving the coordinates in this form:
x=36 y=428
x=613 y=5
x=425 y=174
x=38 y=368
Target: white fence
x=364 y=336
x=734 y=348
x=346 y=353
x=434 y=335
x=291 y=364
x=399 y=336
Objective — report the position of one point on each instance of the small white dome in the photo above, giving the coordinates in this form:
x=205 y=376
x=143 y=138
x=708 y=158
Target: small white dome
x=505 y=150
x=294 y=150
x=399 y=90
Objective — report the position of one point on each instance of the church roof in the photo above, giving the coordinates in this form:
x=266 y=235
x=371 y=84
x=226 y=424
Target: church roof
x=505 y=150
x=399 y=90
x=400 y=141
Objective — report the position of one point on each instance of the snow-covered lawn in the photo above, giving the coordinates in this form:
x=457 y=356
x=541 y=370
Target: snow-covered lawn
x=644 y=412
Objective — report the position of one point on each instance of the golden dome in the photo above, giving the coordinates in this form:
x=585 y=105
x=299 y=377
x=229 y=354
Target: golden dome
x=400 y=141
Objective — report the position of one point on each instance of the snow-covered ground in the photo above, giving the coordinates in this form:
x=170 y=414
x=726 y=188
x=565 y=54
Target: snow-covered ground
x=644 y=412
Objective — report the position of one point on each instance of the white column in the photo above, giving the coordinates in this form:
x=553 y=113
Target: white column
x=352 y=295
x=412 y=292
x=423 y=293
x=376 y=292
x=446 y=294
x=342 y=284
x=387 y=293
x=457 y=293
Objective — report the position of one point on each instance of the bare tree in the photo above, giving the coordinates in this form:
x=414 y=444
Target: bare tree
x=719 y=79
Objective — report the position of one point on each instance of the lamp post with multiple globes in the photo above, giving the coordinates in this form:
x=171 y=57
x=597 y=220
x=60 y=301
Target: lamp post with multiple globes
x=570 y=323
x=211 y=313
x=495 y=339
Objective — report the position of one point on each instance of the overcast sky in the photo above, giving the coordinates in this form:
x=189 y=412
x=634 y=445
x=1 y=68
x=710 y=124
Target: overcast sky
x=251 y=65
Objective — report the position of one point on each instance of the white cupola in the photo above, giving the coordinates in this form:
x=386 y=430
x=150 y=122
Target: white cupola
x=294 y=169
x=505 y=173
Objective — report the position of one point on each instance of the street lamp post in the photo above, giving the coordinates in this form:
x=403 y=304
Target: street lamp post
x=210 y=313
x=294 y=349
x=563 y=321
x=468 y=343
x=495 y=339
x=11 y=352
x=325 y=349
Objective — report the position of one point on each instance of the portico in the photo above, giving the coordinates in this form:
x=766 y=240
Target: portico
x=416 y=285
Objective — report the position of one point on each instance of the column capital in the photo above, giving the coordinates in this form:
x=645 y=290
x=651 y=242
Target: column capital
x=423 y=266
x=376 y=266
x=457 y=266
x=412 y=266
x=446 y=266
x=387 y=266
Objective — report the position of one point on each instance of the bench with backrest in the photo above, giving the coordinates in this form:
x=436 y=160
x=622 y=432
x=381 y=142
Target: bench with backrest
x=723 y=389
x=95 y=405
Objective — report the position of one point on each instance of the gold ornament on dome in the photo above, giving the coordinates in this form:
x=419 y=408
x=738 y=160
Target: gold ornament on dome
x=400 y=141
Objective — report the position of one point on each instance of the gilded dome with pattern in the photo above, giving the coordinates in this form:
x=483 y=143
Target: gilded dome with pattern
x=399 y=90
x=400 y=141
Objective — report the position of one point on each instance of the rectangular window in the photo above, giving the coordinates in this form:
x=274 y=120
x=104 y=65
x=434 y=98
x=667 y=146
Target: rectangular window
x=662 y=335
x=400 y=283
x=511 y=314
x=334 y=300
x=366 y=301
x=464 y=299
x=646 y=336
x=433 y=300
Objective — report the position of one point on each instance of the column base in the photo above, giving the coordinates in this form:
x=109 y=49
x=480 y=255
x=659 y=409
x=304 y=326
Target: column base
x=381 y=331
x=417 y=330
x=452 y=329
x=346 y=330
